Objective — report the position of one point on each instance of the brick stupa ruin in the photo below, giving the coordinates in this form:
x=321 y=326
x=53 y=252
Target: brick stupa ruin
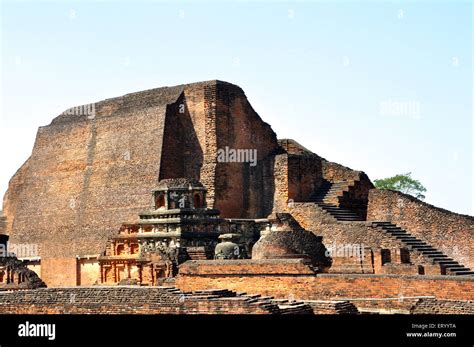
x=137 y=192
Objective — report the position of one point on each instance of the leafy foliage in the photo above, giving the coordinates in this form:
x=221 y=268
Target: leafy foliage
x=403 y=183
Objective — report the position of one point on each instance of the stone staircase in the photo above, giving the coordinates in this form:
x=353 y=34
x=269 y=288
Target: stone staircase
x=341 y=214
x=447 y=264
x=327 y=198
x=332 y=307
x=329 y=192
x=269 y=303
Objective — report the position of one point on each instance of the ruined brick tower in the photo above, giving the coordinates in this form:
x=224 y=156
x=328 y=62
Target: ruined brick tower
x=89 y=172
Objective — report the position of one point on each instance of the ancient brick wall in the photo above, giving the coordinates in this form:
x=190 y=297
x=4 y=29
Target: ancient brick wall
x=85 y=177
x=432 y=306
x=360 y=261
x=281 y=196
x=336 y=234
x=328 y=286
x=396 y=305
x=304 y=176
x=332 y=307
x=357 y=197
x=11 y=198
x=297 y=177
x=313 y=218
x=3 y=233
x=89 y=173
x=205 y=120
x=185 y=136
x=138 y=300
x=450 y=232
x=359 y=184
x=167 y=300
x=334 y=172
x=241 y=190
x=208 y=170
x=88 y=271
x=60 y=272
x=297 y=174
x=248 y=267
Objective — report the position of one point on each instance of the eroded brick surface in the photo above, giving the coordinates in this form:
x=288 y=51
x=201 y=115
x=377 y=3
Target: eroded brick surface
x=450 y=232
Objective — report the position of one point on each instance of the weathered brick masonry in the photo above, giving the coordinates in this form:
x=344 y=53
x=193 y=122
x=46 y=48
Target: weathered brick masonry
x=279 y=281
x=450 y=232
x=87 y=175
x=431 y=306
x=154 y=300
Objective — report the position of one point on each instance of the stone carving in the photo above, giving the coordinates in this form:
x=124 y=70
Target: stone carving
x=15 y=274
x=228 y=248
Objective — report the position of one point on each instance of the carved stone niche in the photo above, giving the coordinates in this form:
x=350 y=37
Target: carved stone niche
x=179 y=193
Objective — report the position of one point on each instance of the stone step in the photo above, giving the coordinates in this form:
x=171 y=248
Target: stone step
x=349 y=219
x=338 y=210
x=462 y=270
x=413 y=242
x=333 y=207
x=394 y=229
x=408 y=239
x=333 y=210
x=418 y=244
x=417 y=249
x=406 y=236
x=327 y=205
x=423 y=247
x=344 y=215
x=325 y=199
x=448 y=263
x=396 y=232
x=387 y=225
x=464 y=273
x=434 y=254
x=350 y=215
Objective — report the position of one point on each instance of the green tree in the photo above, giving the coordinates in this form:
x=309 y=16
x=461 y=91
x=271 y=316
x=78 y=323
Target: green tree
x=403 y=183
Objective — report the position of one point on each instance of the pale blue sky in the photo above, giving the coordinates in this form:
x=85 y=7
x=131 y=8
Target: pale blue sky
x=316 y=71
